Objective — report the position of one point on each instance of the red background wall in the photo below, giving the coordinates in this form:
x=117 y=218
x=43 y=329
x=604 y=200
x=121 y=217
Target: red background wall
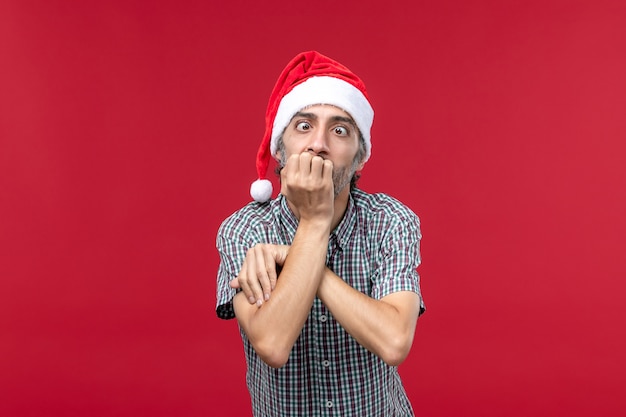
x=128 y=131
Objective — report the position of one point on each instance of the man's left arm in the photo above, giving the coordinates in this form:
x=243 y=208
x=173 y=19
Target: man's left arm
x=385 y=327
x=383 y=320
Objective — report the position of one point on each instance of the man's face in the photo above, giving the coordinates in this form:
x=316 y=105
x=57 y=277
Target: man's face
x=328 y=132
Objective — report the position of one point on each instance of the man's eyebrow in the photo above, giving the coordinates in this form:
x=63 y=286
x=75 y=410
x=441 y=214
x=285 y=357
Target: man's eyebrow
x=313 y=116
x=305 y=115
x=344 y=119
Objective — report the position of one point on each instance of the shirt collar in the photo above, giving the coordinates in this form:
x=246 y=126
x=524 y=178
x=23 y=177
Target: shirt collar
x=346 y=226
x=285 y=217
x=289 y=222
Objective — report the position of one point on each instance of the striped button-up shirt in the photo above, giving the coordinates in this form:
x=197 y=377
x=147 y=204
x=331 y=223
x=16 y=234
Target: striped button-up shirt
x=375 y=249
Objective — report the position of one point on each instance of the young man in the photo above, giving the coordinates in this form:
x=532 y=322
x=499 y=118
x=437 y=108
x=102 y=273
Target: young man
x=322 y=279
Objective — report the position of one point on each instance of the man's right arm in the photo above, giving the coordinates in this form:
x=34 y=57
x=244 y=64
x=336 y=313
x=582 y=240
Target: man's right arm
x=274 y=327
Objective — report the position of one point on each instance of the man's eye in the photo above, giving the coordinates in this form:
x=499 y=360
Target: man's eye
x=303 y=126
x=341 y=131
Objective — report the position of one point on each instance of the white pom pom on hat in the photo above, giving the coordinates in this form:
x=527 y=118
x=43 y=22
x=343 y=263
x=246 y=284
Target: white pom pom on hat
x=308 y=79
x=261 y=190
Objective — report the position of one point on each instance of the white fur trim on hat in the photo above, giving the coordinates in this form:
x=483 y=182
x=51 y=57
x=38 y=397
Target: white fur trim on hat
x=325 y=90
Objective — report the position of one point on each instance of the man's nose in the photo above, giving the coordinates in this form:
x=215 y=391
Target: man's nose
x=318 y=143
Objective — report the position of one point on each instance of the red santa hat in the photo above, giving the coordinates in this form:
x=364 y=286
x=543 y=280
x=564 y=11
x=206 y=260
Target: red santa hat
x=308 y=79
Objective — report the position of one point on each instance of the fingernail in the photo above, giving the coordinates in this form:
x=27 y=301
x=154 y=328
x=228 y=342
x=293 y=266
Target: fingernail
x=267 y=297
x=251 y=299
x=259 y=302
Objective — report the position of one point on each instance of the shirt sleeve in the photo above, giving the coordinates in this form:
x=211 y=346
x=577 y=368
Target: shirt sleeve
x=232 y=251
x=399 y=259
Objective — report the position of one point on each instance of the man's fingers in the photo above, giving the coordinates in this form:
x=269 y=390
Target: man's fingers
x=304 y=167
x=292 y=166
x=242 y=280
x=258 y=276
x=263 y=263
x=317 y=164
x=281 y=254
x=256 y=295
x=270 y=265
x=327 y=170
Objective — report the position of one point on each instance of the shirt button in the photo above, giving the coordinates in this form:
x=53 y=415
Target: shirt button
x=329 y=404
x=323 y=318
x=326 y=364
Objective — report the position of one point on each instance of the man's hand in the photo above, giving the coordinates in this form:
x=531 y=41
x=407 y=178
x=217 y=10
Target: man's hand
x=258 y=275
x=273 y=329
x=307 y=183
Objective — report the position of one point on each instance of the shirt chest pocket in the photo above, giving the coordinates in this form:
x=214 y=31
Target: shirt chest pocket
x=353 y=267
